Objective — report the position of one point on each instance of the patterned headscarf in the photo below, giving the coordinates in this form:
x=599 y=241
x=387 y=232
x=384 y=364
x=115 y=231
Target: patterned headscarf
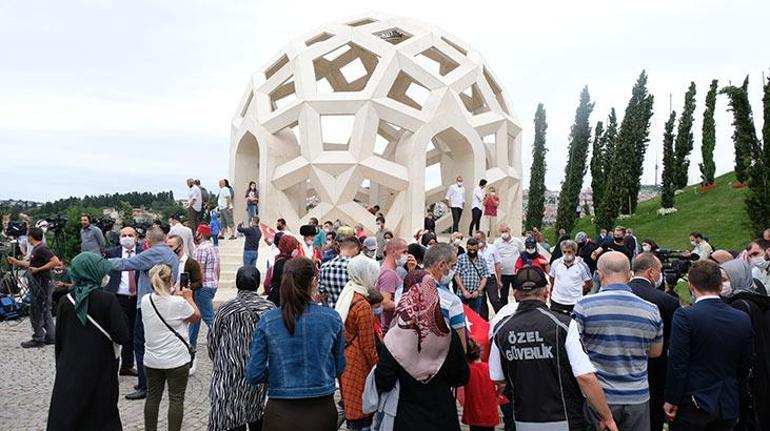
x=419 y=338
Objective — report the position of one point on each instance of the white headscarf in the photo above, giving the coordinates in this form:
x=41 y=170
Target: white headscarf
x=362 y=276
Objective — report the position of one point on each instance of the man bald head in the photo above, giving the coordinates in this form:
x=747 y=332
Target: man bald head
x=613 y=268
x=128 y=231
x=721 y=256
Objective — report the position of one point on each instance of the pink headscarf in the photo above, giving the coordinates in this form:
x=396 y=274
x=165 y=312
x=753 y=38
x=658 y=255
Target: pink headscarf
x=419 y=338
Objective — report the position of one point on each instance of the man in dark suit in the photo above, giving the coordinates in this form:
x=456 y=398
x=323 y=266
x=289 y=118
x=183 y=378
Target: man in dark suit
x=123 y=285
x=710 y=351
x=648 y=277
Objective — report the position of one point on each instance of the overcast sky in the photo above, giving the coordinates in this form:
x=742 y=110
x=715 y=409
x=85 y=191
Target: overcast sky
x=104 y=96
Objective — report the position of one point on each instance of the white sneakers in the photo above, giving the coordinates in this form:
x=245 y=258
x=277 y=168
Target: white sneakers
x=192 y=368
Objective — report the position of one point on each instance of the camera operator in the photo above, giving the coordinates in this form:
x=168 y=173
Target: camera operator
x=39 y=265
x=700 y=247
x=91 y=238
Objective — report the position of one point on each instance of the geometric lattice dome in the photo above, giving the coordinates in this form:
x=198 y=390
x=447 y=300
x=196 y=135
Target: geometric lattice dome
x=374 y=110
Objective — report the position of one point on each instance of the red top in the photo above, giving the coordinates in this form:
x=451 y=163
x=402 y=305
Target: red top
x=541 y=262
x=480 y=408
x=490 y=205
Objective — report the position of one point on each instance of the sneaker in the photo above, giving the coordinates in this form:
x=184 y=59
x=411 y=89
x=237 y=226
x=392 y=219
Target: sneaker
x=192 y=368
x=128 y=372
x=32 y=344
x=137 y=395
x=49 y=342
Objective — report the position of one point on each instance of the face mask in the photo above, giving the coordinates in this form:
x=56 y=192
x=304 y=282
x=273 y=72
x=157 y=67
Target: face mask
x=369 y=253
x=660 y=281
x=531 y=250
x=457 y=242
x=459 y=184
x=401 y=260
x=760 y=262
x=127 y=242
x=569 y=258
x=294 y=253
x=377 y=311
x=646 y=248
x=473 y=254
x=506 y=236
x=619 y=239
x=105 y=281
x=727 y=288
x=177 y=250
x=445 y=280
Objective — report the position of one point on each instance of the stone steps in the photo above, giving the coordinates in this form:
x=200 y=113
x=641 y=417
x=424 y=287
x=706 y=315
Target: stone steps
x=230 y=259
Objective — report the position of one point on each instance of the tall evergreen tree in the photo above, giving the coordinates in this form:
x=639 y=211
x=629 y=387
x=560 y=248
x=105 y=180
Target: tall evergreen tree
x=626 y=166
x=684 y=140
x=610 y=137
x=580 y=136
x=597 y=164
x=536 y=201
x=669 y=164
x=707 y=167
x=758 y=193
x=744 y=134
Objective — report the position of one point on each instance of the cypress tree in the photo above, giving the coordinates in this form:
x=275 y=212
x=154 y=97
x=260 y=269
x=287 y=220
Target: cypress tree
x=744 y=134
x=707 y=168
x=536 y=202
x=597 y=164
x=684 y=140
x=758 y=193
x=610 y=137
x=669 y=164
x=580 y=135
x=605 y=212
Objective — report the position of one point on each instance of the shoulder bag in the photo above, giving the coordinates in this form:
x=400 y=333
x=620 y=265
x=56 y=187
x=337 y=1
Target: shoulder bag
x=190 y=349
x=115 y=346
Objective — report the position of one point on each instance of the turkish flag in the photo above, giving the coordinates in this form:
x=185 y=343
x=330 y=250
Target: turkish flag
x=478 y=329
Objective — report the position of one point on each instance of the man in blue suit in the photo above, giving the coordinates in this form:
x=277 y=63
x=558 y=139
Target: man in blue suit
x=710 y=351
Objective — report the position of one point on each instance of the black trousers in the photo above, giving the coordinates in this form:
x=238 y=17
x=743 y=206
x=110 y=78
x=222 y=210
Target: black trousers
x=475 y=221
x=456 y=214
x=254 y=426
x=507 y=282
x=691 y=418
x=128 y=305
x=561 y=308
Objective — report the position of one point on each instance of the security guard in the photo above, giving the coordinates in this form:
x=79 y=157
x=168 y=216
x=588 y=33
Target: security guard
x=539 y=353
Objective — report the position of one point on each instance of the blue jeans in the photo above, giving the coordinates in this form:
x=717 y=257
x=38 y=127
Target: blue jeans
x=139 y=349
x=252 y=211
x=204 y=299
x=250 y=257
x=474 y=304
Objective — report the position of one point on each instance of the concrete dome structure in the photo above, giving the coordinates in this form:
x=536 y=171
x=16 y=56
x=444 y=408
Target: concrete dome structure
x=374 y=110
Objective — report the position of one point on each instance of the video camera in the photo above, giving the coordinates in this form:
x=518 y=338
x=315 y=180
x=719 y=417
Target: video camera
x=56 y=224
x=675 y=264
x=105 y=224
x=16 y=229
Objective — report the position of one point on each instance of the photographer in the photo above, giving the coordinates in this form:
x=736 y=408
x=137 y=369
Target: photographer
x=91 y=238
x=700 y=247
x=39 y=265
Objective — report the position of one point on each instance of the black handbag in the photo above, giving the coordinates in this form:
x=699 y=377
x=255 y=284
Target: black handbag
x=190 y=349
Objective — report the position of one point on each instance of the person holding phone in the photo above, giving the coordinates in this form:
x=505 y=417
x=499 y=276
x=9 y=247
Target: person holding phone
x=190 y=275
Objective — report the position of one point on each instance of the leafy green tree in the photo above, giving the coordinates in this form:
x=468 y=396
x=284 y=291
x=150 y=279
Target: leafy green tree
x=536 y=201
x=744 y=134
x=758 y=193
x=669 y=164
x=598 y=163
x=580 y=136
x=707 y=167
x=684 y=140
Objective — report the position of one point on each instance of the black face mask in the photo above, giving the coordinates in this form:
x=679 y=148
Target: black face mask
x=619 y=240
x=177 y=250
x=472 y=254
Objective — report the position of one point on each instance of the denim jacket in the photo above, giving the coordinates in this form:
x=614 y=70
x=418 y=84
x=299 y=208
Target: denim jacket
x=301 y=366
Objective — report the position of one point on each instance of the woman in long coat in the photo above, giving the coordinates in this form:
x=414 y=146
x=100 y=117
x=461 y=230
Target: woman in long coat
x=85 y=392
x=235 y=403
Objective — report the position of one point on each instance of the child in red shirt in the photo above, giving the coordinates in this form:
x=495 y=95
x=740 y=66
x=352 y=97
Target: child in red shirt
x=480 y=409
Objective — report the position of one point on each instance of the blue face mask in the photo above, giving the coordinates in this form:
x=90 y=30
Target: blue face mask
x=377 y=311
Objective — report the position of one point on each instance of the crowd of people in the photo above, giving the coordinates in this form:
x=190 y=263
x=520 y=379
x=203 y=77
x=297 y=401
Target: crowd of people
x=588 y=334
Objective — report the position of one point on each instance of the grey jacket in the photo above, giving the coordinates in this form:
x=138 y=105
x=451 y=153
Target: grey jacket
x=158 y=254
x=91 y=239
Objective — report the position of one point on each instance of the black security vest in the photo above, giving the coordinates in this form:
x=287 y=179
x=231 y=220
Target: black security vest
x=535 y=364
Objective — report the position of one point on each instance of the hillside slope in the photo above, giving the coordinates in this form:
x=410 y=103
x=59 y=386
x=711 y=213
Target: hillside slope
x=719 y=214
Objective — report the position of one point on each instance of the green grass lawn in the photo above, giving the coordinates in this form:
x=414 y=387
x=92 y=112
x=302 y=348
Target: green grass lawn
x=718 y=214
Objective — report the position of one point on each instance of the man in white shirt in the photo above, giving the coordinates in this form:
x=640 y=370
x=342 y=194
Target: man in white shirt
x=194 y=203
x=508 y=248
x=225 y=206
x=570 y=279
x=184 y=232
x=700 y=246
x=455 y=197
x=477 y=207
x=492 y=258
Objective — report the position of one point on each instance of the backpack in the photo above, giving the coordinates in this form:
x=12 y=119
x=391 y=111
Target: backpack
x=9 y=308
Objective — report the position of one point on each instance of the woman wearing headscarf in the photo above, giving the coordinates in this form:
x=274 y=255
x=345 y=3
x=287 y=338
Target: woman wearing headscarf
x=288 y=248
x=427 y=359
x=742 y=293
x=236 y=404
x=85 y=392
x=360 y=344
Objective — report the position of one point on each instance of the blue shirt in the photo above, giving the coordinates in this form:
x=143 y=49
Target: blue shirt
x=158 y=254
x=617 y=329
x=303 y=365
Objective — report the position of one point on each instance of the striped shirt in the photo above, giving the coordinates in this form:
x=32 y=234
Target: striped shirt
x=451 y=307
x=617 y=328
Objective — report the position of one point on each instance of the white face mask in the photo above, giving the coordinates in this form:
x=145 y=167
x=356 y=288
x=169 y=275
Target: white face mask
x=569 y=257
x=294 y=253
x=445 y=280
x=760 y=262
x=506 y=236
x=105 y=281
x=369 y=253
x=727 y=288
x=646 y=248
x=401 y=261
x=531 y=250
x=660 y=281
x=457 y=242
x=127 y=242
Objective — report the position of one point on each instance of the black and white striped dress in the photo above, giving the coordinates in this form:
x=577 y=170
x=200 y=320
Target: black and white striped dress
x=234 y=402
